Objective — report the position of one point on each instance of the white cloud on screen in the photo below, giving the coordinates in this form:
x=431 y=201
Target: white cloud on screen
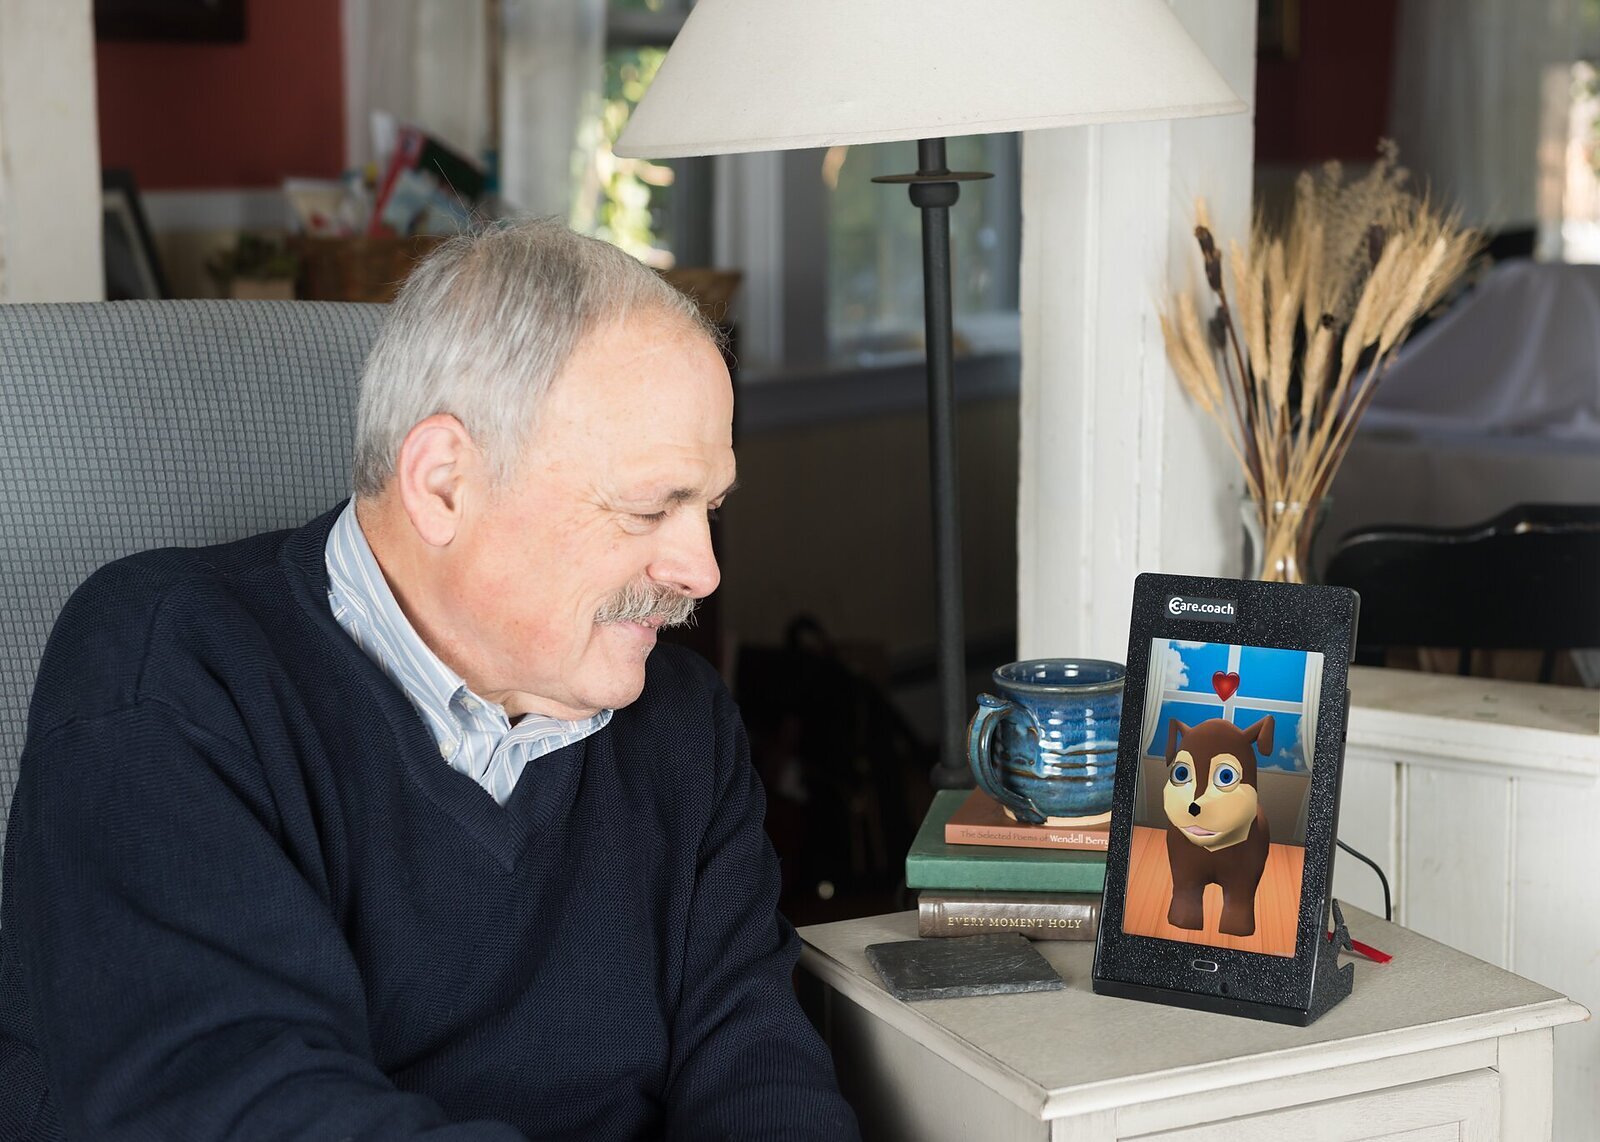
x=1174 y=674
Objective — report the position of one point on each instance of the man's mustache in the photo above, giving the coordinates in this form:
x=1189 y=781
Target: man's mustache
x=644 y=602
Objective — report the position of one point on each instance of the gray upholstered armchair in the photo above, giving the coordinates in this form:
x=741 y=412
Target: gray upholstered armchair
x=130 y=425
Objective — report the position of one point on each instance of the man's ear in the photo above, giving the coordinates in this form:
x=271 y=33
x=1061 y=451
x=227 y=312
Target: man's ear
x=437 y=465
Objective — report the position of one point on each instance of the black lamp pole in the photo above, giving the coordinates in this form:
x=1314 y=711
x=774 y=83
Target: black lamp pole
x=934 y=189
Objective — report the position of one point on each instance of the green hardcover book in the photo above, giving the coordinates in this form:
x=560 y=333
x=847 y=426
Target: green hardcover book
x=932 y=863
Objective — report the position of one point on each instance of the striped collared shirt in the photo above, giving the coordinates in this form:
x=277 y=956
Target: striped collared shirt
x=473 y=733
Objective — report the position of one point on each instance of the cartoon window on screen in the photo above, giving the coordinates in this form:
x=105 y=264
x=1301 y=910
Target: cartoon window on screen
x=1227 y=747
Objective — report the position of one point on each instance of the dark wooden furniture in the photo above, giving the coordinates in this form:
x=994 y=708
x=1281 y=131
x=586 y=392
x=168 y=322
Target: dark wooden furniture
x=1527 y=579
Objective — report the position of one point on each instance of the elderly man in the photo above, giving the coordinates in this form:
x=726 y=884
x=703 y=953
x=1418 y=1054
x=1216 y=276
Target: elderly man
x=400 y=824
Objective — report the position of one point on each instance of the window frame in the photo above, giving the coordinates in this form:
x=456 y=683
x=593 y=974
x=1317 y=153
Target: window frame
x=766 y=214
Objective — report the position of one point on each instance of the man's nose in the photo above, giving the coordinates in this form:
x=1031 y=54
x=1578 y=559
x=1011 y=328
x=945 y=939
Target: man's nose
x=687 y=561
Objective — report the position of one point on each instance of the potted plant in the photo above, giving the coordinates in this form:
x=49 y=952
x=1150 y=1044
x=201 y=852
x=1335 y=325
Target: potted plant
x=257 y=268
x=1288 y=341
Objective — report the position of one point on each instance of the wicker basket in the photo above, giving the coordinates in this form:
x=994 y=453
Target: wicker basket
x=357 y=269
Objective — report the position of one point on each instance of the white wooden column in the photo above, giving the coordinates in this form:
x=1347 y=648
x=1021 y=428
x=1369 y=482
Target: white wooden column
x=1118 y=473
x=49 y=153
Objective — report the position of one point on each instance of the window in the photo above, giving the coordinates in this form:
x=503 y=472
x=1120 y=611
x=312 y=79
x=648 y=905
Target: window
x=832 y=261
x=1580 y=168
x=1197 y=681
x=874 y=274
x=657 y=211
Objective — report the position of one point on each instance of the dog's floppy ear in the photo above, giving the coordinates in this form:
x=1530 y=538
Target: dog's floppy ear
x=1261 y=734
x=1175 y=730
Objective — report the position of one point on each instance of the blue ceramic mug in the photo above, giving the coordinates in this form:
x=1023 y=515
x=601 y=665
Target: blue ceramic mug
x=1047 y=748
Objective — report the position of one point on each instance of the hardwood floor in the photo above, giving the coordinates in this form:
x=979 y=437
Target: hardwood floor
x=1150 y=894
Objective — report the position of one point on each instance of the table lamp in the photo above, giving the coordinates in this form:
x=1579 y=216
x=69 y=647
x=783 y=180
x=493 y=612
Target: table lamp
x=758 y=75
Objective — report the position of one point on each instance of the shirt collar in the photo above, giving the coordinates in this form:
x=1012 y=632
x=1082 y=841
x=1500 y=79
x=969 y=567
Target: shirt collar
x=472 y=732
x=356 y=582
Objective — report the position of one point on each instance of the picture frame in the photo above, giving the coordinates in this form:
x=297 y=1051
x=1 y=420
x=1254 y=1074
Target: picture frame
x=1278 y=30
x=1224 y=818
x=171 y=21
x=132 y=263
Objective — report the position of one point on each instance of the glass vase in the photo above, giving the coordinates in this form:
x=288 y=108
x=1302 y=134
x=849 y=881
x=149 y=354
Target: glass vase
x=1278 y=538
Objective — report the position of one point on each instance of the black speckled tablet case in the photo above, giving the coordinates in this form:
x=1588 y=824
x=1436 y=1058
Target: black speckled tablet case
x=994 y=964
x=1280 y=989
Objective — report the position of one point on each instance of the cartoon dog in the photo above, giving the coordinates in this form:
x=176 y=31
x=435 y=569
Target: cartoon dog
x=1217 y=830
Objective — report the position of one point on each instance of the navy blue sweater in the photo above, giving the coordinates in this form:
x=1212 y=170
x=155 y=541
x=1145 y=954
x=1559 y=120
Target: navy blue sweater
x=245 y=898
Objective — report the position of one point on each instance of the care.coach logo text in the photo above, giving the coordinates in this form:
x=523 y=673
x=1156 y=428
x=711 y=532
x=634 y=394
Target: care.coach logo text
x=1203 y=610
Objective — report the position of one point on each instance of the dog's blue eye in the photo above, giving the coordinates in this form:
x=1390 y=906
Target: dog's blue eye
x=1180 y=775
x=1224 y=777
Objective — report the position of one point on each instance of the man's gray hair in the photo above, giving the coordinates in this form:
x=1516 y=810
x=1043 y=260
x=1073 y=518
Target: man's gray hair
x=483 y=326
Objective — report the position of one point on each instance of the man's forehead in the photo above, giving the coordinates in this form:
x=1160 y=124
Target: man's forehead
x=685 y=495
x=640 y=366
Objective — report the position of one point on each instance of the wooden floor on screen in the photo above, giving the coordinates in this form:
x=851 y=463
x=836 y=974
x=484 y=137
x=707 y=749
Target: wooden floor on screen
x=1150 y=894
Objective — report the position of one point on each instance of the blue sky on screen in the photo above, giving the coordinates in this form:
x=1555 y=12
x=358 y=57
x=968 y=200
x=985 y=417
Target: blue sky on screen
x=1197 y=662
x=1265 y=675
x=1288 y=752
x=1278 y=674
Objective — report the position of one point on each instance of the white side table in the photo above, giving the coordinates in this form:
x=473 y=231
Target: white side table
x=1434 y=1045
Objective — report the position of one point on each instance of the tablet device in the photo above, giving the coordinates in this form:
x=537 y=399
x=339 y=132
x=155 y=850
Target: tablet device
x=1226 y=805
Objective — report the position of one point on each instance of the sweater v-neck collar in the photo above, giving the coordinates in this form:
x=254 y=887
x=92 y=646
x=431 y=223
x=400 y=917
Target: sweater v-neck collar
x=547 y=786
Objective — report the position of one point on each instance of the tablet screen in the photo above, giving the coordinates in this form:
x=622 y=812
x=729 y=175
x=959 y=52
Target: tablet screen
x=1226 y=751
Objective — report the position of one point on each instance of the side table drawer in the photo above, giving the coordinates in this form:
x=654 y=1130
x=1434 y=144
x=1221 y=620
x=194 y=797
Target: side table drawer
x=1464 y=1107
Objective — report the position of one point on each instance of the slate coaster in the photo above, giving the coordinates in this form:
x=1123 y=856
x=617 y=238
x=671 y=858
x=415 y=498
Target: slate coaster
x=950 y=967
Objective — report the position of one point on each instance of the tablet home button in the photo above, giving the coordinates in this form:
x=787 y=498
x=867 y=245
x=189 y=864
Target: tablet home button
x=1204 y=965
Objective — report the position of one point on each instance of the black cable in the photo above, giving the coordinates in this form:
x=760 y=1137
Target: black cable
x=1383 y=880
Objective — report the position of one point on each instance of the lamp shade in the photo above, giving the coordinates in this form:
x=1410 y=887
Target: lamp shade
x=758 y=75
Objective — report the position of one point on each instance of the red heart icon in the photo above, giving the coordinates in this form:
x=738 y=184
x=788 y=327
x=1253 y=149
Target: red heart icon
x=1226 y=684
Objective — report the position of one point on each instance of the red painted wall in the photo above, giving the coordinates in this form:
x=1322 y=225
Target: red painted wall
x=192 y=116
x=1330 y=100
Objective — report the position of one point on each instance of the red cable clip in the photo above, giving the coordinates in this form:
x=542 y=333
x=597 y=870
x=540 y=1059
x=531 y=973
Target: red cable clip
x=1367 y=950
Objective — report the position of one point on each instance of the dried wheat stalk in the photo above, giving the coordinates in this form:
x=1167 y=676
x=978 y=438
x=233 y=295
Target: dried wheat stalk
x=1318 y=308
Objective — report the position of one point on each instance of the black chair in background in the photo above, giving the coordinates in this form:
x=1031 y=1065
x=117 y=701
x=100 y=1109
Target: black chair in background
x=1528 y=579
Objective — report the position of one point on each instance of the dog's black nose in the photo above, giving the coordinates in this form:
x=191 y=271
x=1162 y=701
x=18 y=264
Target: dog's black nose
x=1194 y=809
